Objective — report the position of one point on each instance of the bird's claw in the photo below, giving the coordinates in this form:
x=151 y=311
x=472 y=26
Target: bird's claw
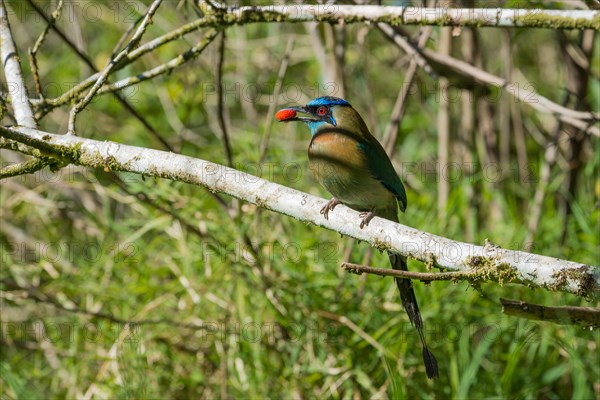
x=329 y=207
x=366 y=216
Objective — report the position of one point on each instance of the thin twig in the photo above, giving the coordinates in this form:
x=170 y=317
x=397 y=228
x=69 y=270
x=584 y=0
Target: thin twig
x=504 y=131
x=393 y=128
x=421 y=276
x=338 y=58
x=214 y=5
x=221 y=100
x=443 y=126
x=163 y=68
x=466 y=142
x=23 y=168
x=38 y=44
x=519 y=132
x=124 y=37
x=534 y=210
x=111 y=65
x=61 y=34
x=402 y=41
x=566 y=315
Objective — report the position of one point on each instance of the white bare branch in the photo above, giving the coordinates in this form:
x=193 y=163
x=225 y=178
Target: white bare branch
x=438 y=16
x=12 y=71
x=384 y=17
x=500 y=264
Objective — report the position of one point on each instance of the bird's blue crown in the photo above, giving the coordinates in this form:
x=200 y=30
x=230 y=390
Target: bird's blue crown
x=328 y=101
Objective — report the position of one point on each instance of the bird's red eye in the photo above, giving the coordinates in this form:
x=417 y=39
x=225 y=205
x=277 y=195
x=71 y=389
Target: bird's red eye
x=321 y=110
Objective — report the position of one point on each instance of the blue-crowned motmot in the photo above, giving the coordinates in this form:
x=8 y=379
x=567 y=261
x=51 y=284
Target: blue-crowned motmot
x=351 y=164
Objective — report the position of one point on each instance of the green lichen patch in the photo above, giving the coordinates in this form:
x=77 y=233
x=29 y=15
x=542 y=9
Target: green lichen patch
x=583 y=278
x=72 y=152
x=446 y=20
x=392 y=20
x=543 y=20
x=111 y=164
x=37 y=153
x=382 y=245
x=90 y=160
x=489 y=269
x=261 y=202
x=221 y=19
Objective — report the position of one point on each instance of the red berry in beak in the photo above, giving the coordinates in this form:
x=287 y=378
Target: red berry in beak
x=285 y=114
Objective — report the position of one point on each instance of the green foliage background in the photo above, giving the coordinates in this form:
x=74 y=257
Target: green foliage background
x=234 y=301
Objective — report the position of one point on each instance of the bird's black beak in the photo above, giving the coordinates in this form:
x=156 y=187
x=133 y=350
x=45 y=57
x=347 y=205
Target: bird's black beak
x=291 y=114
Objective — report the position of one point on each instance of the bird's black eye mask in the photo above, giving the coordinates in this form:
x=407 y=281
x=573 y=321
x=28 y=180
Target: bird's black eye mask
x=319 y=111
x=322 y=113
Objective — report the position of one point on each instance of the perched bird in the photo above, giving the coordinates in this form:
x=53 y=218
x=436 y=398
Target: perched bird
x=353 y=166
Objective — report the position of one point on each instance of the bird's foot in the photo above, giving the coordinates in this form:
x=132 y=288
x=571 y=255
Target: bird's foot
x=329 y=207
x=366 y=216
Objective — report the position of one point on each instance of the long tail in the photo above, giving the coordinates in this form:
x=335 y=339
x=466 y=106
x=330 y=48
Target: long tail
x=409 y=301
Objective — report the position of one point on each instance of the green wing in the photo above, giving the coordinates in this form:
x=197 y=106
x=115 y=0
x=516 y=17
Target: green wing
x=381 y=168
